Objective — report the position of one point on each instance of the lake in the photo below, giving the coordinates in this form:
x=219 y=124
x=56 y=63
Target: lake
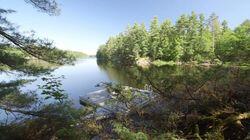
x=82 y=77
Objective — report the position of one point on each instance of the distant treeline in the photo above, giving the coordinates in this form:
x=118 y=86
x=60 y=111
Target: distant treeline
x=76 y=54
x=191 y=38
x=13 y=58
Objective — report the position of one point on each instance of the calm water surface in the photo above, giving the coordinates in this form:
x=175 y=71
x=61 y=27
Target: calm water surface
x=82 y=77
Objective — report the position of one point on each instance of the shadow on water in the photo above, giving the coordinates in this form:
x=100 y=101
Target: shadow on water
x=187 y=81
x=174 y=76
x=82 y=77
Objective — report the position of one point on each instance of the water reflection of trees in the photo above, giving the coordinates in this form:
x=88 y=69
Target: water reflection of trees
x=211 y=100
x=187 y=82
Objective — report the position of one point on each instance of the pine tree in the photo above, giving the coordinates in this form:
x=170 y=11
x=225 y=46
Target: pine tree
x=215 y=28
x=165 y=52
x=154 y=39
x=144 y=47
x=181 y=35
x=224 y=25
x=203 y=50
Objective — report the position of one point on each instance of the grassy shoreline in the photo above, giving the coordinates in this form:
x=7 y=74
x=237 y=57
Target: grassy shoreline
x=146 y=62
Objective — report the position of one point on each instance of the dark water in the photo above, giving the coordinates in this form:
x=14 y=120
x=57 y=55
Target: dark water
x=82 y=77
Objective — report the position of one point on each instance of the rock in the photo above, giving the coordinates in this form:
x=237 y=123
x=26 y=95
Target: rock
x=101 y=98
x=143 y=62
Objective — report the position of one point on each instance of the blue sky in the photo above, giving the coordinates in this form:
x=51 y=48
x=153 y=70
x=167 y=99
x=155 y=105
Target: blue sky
x=85 y=24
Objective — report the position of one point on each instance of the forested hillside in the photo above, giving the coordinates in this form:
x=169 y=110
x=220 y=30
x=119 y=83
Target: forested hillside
x=192 y=38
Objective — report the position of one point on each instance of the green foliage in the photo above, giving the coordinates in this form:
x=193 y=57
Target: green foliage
x=52 y=88
x=195 y=104
x=168 y=136
x=76 y=54
x=226 y=46
x=23 y=115
x=234 y=45
x=163 y=63
x=125 y=48
x=17 y=49
x=213 y=136
x=154 y=39
x=12 y=97
x=192 y=38
x=125 y=134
